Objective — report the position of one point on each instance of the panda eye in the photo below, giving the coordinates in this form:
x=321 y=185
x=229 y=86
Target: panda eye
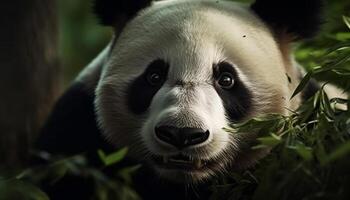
x=226 y=80
x=154 y=78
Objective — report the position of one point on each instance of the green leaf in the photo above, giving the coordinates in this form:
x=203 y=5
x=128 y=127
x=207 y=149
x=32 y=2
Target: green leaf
x=302 y=150
x=339 y=100
x=114 y=157
x=58 y=171
x=343 y=36
x=326 y=105
x=302 y=84
x=127 y=172
x=338 y=47
x=268 y=141
x=338 y=62
x=19 y=190
x=102 y=155
x=347 y=21
x=316 y=100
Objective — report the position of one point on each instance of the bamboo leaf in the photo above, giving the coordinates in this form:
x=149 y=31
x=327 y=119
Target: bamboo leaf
x=347 y=21
x=16 y=189
x=302 y=150
x=302 y=84
x=114 y=157
x=338 y=47
x=269 y=141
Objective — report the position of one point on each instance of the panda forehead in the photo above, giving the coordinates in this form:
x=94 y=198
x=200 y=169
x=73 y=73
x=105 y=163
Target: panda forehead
x=196 y=34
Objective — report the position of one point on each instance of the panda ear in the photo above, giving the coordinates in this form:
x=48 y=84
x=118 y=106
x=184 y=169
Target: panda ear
x=299 y=18
x=112 y=12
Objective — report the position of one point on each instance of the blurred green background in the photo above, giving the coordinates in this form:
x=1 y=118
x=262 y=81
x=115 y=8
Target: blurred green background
x=81 y=37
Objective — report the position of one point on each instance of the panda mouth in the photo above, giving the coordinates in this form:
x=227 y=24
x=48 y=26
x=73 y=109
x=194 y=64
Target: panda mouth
x=181 y=162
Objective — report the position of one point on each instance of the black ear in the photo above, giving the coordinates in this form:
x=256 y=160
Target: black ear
x=111 y=12
x=300 y=18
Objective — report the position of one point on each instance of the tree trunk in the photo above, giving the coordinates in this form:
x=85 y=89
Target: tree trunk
x=29 y=74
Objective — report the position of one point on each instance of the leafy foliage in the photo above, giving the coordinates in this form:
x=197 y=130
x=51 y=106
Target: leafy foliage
x=310 y=156
x=17 y=189
x=27 y=184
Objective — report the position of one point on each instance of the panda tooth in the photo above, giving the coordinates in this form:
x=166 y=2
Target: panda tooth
x=198 y=163
x=165 y=159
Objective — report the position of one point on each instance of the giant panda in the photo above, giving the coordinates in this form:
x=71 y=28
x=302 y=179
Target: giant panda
x=174 y=75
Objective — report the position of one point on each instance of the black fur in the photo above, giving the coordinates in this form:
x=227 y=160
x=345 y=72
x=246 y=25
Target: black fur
x=237 y=100
x=111 y=11
x=150 y=187
x=301 y=18
x=140 y=92
x=71 y=128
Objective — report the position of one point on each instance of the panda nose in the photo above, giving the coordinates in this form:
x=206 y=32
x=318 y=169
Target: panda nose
x=181 y=137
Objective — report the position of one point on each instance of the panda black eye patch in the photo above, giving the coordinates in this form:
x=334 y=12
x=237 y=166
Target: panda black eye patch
x=142 y=89
x=236 y=97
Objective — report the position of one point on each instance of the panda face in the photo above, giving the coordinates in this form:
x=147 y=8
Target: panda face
x=182 y=71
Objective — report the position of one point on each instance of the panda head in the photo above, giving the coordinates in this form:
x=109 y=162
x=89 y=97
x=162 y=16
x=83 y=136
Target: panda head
x=180 y=71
